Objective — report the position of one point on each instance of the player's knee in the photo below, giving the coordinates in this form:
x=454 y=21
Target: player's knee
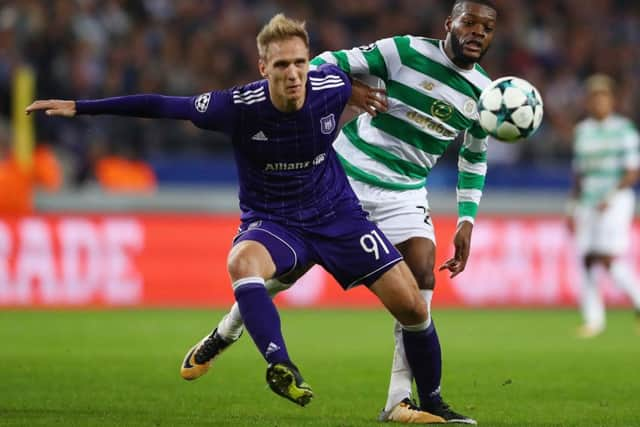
x=426 y=279
x=240 y=266
x=414 y=311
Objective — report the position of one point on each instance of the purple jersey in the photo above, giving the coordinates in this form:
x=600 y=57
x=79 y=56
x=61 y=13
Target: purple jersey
x=288 y=170
x=294 y=195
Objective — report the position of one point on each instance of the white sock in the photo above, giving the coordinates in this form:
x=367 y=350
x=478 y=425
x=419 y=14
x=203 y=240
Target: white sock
x=401 y=376
x=591 y=304
x=231 y=325
x=625 y=279
x=427 y=295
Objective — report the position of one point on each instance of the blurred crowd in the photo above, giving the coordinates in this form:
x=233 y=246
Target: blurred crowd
x=98 y=48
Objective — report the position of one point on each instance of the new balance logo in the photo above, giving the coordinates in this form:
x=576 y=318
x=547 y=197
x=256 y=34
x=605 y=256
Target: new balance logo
x=271 y=348
x=260 y=136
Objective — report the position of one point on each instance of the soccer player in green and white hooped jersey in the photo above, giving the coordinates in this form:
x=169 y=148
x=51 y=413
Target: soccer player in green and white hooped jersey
x=432 y=89
x=607 y=165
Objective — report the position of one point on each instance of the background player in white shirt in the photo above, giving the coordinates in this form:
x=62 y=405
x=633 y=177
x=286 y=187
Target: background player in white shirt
x=606 y=165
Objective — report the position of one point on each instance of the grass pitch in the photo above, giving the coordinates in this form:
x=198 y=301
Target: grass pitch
x=120 y=368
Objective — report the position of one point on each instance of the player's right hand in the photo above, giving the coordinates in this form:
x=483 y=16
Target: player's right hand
x=369 y=99
x=53 y=107
x=462 y=244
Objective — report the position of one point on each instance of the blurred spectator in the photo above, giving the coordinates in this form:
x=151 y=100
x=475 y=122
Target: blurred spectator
x=17 y=182
x=119 y=174
x=91 y=48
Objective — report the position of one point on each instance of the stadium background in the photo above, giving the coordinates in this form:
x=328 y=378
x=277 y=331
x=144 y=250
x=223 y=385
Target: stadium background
x=135 y=213
x=139 y=200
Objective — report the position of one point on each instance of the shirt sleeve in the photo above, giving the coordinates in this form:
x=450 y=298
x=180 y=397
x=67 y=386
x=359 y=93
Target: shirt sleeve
x=632 y=148
x=576 y=162
x=212 y=110
x=372 y=59
x=326 y=71
x=472 y=170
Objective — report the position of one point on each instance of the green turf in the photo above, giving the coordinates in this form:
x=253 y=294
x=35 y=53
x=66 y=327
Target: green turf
x=120 y=368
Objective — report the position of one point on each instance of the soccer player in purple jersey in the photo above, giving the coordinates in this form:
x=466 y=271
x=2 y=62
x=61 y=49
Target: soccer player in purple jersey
x=388 y=160
x=297 y=206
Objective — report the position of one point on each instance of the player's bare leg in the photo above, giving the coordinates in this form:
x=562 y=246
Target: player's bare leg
x=625 y=279
x=399 y=293
x=199 y=358
x=591 y=304
x=249 y=264
x=622 y=276
x=419 y=254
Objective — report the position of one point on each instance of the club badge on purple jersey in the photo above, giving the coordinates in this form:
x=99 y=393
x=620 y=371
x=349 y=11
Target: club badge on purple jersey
x=328 y=124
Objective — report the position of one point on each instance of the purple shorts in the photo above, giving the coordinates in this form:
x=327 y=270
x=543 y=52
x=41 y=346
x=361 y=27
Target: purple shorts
x=352 y=248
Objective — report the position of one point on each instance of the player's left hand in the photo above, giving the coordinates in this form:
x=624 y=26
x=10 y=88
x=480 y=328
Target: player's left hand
x=53 y=107
x=462 y=243
x=369 y=99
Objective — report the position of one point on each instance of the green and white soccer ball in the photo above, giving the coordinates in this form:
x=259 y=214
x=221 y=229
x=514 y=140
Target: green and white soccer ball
x=510 y=109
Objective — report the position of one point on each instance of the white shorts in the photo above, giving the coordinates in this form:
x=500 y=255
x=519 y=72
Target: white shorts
x=606 y=232
x=400 y=215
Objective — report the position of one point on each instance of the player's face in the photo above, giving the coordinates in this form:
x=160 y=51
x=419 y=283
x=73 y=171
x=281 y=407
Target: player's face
x=469 y=33
x=285 y=67
x=600 y=104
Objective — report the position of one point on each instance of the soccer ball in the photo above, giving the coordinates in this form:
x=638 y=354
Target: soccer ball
x=510 y=109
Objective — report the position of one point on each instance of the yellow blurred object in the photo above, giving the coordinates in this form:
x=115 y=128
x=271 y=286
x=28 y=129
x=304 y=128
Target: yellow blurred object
x=23 y=131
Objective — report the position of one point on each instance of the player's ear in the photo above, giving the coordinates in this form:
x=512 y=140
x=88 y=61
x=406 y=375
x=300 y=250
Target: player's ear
x=447 y=24
x=262 y=67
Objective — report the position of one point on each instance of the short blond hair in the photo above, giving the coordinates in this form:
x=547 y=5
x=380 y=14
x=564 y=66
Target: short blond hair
x=280 y=28
x=600 y=83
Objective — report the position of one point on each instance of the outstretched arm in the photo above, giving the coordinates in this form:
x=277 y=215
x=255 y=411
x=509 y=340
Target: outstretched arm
x=208 y=111
x=151 y=106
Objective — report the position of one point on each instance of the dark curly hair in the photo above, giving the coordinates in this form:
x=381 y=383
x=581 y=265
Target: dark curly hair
x=458 y=3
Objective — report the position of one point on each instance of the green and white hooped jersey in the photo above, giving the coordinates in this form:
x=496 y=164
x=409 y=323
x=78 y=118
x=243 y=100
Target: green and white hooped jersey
x=431 y=101
x=603 y=151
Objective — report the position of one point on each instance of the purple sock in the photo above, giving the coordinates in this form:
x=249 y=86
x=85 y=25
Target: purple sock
x=425 y=359
x=261 y=319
